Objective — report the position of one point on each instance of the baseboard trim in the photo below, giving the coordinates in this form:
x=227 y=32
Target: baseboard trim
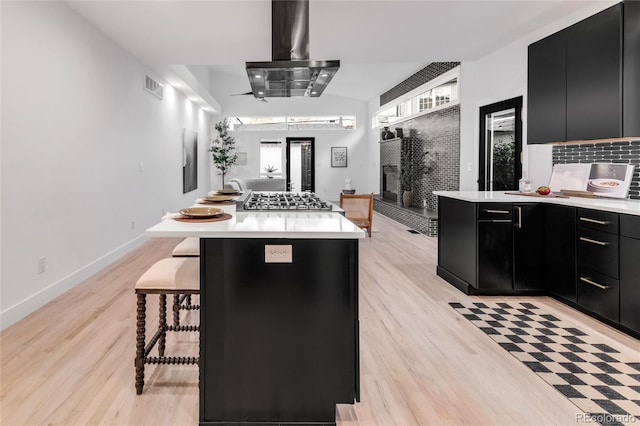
x=20 y=310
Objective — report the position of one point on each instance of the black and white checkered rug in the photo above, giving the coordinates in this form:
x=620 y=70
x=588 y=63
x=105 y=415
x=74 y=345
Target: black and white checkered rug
x=598 y=379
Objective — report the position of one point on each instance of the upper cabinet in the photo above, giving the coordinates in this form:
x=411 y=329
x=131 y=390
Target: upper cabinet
x=594 y=77
x=583 y=80
x=547 y=93
x=631 y=75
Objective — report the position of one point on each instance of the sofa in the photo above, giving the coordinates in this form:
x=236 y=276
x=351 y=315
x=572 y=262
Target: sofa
x=261 y=184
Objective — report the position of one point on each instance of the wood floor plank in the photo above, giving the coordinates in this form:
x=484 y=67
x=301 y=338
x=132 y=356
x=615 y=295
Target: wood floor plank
x=71 y=362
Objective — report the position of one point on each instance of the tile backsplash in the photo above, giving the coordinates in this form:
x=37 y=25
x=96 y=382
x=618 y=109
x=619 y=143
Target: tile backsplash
x=607 y=152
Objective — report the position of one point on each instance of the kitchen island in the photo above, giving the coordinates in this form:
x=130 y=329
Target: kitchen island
x=582 y=251
x=278 y=317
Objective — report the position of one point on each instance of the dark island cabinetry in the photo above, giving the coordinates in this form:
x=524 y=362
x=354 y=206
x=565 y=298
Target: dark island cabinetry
x=279 y=340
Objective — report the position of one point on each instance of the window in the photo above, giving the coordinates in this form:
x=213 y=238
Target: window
x=441 y=91
x=271 y=158
x=337 y=122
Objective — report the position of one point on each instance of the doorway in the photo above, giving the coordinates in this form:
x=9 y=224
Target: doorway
x=300 y=165
x=500 y=165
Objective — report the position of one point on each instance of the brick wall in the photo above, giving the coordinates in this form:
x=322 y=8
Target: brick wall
x=607 y=152
x=438 y=133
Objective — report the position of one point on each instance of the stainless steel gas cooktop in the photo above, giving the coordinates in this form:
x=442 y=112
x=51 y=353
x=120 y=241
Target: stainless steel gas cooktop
x=285 y=201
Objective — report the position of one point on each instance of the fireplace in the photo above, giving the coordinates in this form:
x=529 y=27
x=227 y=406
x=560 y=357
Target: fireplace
x=390 y=182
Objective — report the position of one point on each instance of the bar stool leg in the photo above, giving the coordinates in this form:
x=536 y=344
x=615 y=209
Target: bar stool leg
x=176 y=310
x=140 y=337
x=162 y=324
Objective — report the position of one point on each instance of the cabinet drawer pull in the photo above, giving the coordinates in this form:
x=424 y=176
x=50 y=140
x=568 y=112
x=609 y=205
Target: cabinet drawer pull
x=599 y=222
x=496 y=211
x=589 y=240
x=588 y=281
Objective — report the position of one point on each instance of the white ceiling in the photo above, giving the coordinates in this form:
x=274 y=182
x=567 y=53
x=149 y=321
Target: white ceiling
x=379 y=42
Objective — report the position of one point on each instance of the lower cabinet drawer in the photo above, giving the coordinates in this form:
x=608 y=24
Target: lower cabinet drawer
x=599 y=293
x=599 y=220
x=598 y=251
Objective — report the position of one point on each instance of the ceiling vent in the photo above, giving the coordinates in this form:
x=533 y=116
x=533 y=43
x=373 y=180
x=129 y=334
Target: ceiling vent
x=153 y=87
x=291 y=72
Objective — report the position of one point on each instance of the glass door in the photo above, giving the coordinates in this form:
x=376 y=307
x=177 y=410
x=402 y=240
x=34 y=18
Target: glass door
x=500 y=163
x=300 y=165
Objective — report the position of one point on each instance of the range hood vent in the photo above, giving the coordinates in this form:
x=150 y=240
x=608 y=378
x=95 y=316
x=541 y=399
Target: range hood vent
x=291 y=72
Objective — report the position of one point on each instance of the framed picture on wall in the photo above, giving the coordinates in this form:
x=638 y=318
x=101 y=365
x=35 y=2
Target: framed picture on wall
x=338 y=156
x=189 y=160
x=241 y=158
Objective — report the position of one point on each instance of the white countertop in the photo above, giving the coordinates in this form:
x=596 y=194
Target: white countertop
x=607 y=204
x=296 y=225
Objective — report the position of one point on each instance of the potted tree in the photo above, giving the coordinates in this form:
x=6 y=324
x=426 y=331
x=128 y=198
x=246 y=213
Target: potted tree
x=413 y=167
x=222 y=149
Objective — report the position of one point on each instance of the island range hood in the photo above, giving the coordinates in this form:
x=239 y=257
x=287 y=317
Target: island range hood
x=291 y=72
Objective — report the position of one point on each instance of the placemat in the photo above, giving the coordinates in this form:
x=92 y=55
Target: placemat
x=222 y=217
x=598 y=379
x=218 y=203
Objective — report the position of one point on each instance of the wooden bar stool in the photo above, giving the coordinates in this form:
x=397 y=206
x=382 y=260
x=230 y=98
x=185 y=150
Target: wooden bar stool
x=189 y=247
x=176 y=275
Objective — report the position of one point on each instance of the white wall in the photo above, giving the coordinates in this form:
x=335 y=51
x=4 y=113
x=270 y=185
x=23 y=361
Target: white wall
x=329 y=181
x=86 y=152
x=499 y=76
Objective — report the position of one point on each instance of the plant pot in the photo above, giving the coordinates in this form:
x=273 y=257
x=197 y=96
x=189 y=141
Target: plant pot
x=407 y=198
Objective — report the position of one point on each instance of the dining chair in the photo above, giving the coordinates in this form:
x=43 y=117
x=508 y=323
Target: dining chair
x=358 y=208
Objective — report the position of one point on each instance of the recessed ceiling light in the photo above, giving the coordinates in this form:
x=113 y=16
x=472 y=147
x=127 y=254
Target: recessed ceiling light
x=314 y=93
x=257 y=76
x=324 y=75
x=260 y=93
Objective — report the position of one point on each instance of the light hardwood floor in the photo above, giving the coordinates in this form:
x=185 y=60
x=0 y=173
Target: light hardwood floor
x=71 y=362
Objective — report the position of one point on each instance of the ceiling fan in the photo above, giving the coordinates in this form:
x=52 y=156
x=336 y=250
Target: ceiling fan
x=258 y=98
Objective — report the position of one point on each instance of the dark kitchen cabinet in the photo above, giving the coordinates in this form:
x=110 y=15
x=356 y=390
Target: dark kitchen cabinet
x=631 y=71
x=528 y=223
x=490 y=248
x=594 y=85
x=456 y=241
x=584 y=81
x=630 y=272
x=547 y=90
x=560 y=251
x=495 y=247
x=599 y=293
x=586 y=258
x=598 y=263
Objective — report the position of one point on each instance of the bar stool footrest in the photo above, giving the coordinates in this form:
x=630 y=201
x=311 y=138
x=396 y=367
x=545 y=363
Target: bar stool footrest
x=172 y=360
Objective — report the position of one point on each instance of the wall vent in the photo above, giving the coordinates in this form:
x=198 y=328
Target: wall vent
x=153 y=87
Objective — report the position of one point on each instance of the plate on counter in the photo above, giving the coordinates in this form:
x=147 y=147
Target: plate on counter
x=201 y=212
x=218 y=198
